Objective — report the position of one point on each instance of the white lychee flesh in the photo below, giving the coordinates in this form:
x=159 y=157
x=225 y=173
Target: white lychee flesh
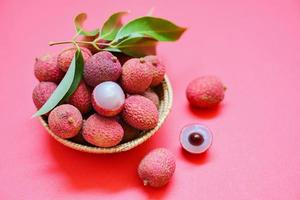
x=109 y=96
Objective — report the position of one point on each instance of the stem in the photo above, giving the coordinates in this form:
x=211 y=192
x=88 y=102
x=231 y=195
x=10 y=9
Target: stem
x=78 y=42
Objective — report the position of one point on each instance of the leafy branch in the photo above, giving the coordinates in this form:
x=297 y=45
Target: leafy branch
x=137 y=38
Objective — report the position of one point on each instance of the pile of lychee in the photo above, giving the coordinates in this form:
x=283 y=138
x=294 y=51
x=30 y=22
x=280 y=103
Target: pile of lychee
x=114 y=103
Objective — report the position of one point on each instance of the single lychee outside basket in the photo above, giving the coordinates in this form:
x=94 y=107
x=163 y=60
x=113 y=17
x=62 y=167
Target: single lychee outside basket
x=165 y=94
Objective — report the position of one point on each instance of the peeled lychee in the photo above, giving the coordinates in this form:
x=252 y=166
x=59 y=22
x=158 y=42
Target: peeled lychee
x=140 y=112
x=46 y=69
x=81 y=98
x=157 y=167
x=101 y=131
x=42 y=92
x=102 y=66
x=158 y=70
x=65 y=121
x=136 y=76
x=150 y=94
x=64 y=59
x=205 y=91
x=108 y=98
x=195 y=138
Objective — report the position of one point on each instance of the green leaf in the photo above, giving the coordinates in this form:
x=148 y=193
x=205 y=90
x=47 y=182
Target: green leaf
x=113 y=49
x=137 y=46
x=112 y=26
x=157 y=28
x=77 y=76
x=78 y=21
x=66 y=87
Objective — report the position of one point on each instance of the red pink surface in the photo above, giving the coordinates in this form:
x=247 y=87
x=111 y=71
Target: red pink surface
x=253 y=46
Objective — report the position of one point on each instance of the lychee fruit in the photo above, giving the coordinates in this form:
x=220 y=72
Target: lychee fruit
x=195 y=138
x=64 y=59
x=136 y=76
x=158 y=69
x=140 y=112
x=108 y=98
x=102 y=66
x=46 y=69
x=150 y=94
x=42 y=92
x=157 y=167
x=130 y=133
x=81 y=98
x=205 y=91
x=65 y=121
x=101 y=131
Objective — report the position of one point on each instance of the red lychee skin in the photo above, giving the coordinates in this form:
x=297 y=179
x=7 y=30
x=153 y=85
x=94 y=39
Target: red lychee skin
x=136 y=76
x=42 y=92
x=158 y=70
x=64 y=59
x=46 y=69
x=140 y=112
x=205 y=92
x=105 y=112
x=157 y=167
x=102 y=66
x=150 y=94
x=102 y=131
x=81 y=98
x=65 y=121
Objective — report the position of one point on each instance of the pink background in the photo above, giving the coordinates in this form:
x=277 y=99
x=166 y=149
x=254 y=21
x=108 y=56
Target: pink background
x=252 y=45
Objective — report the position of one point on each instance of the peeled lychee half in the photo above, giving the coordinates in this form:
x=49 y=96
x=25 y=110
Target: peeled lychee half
x=205 y=91
x=46 y=69
x=108 y=98
x=195 y=138
x=140 y=112
x=102 y=66
x=42 y=92
x=136 y=76
x=101 y=131
x=64 y=59
x=65 y=121
x=81 y=98
x=150 y=94
x=157 y=167
x=158 y=69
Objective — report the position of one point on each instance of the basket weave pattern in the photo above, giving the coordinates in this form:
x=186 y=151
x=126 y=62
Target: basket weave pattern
x=166 y=99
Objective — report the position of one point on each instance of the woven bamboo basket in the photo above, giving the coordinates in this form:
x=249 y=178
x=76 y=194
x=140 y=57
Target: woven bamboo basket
x=165 y=93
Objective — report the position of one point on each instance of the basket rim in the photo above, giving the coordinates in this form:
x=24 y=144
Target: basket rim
x=164 y=110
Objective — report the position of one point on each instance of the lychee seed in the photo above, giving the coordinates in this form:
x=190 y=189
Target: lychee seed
x=196 y=139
